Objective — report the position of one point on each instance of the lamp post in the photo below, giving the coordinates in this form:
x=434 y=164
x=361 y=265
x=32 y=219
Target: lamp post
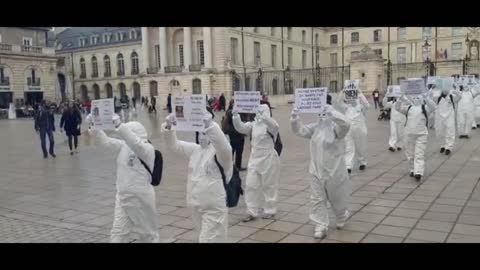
x=389 y=63
x=467 y=58
x=428 y=64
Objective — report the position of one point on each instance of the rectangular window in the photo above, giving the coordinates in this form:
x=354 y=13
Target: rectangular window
x=180 y=54
x=119 y=36
x=289 y=33
x=377 y=35
x=401 y=55
x=1 y=74
x=427 y=33
x=274 y=55
x=289 y=56
x=304 y=58
x=256 y=53
x=401 y=33
x=201 y=52
x=355 y=37
x=333 y=86
x=316 y=39
x=27 y=41
x=333 y=39
x=157 y=55
x=234 y=50
x=272 y=31
x=456 y=31
x=457 y=50
x=354 y=55
x=333 y=59
x=378 y=52
x=304 y=36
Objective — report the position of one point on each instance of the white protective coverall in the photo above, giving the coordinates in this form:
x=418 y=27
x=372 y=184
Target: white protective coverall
x=356 y=139
x=205 y=191
x=135 y=208
x=476 y=103
x=330 y=181
x=397 y=125
x=416 y=130
x=445 y=115
x=263 y=174
x=466 y=110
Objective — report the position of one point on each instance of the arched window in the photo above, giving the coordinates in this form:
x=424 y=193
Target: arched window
x=122 y=89
x=236 y=83
x=94 y=67
x=247 y=83
x=275 y=86
x=133 y=34
x=84 y=92
x=109 y=90
x=108 y=69
x=174 y=85
x=96 y=91
x=83 y=68
x=134 y=58
x=305 y=82
x=136 y=90
x=196 y=86
x=153 y=88
x=120 y=65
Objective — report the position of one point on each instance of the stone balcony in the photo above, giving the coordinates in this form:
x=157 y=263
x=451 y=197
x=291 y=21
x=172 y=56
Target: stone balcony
x=27 y=50
x=173 y=69
x=152 y=70
x=35 y=82
x=195 y=68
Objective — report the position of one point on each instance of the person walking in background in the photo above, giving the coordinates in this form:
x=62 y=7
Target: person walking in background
x=134 y=102
x=88 y=105
x=71 y=121
x=222 y=102
x=45 y=125
x=376 y=98
x=169 y=103
x=154 y=103
x=237 y=140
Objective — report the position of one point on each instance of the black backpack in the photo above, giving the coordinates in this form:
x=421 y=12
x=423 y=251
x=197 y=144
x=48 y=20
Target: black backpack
x=278 y=145
x=157 y=168
x=424 y=111
x=233 y=189
x=451 y=99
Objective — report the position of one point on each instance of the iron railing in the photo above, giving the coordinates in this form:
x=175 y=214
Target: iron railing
x=193 y=68
x=152 y=70
x=35 y=82
x=5 y=81
x=173 y=69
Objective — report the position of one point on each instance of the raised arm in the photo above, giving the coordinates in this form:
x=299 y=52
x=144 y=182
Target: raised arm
x=456 y=95
x=272 y=125
x=298 y=128
x=342 y=124
x=103 y=139
x=180 y=147
x=142 y=148
x=244 y=128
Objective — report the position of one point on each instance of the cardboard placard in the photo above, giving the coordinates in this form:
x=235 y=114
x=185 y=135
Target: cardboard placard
x=247 y=101
x=102 y=113
x=413 y=86
x=394 y=91
x=351 y=89
x=447 y=83
x=311 y=100
x=189 y=111
x=433 y=80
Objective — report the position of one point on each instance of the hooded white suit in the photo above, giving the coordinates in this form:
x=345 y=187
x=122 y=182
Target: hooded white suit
x=135 y=208
x=397 y=125
x=445 y=115
x=466 y=110
x=264 y=164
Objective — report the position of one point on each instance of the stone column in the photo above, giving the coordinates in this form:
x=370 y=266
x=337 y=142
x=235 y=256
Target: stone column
x=145 y=48
x=187 y=46
x=163 y=47
x=207 y=46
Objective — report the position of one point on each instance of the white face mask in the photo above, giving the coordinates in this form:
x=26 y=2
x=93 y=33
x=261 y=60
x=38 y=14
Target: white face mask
x=203 y=140
x=417 y=100
x=445 y=92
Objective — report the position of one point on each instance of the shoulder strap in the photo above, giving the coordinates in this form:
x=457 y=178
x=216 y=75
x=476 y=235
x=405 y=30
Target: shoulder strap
x=406 y=115
x=220 y=168
x=453 y=103
x=424 y=111
x=271 y=135
x=146 y=167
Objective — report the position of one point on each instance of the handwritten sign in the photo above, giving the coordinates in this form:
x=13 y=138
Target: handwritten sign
x=247 y=101
x=351 y=89
x=433 y=80
x=446 y=83
x=310 y=100
x=394 y=91
x=102 y=113
x=189 y=111
x=413 y=86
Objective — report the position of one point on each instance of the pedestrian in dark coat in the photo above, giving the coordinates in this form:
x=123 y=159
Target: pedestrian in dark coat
x=71 y=121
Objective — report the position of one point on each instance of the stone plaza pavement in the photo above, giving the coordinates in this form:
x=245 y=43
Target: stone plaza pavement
x=71 y=198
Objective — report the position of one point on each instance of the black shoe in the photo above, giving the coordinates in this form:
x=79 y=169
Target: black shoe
x=349 y=171
x=442 y=149
x=467 y=137
x=362 y=167
x=474 y=127
x=418 y=177
x=399 y=149
x=53 y=155
x=478 y=126
x=71 y=153
x=391 y=149
x=447 y=152
x=45 y=156
x=461 y=136
x=411 y=174
x=242 y=169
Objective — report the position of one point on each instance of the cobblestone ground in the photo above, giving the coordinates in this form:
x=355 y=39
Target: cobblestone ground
x=71 y=198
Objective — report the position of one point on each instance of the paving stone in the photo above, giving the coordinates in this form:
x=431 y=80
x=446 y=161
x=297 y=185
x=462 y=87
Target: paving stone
x=391 y=231
x=295 y=238
x=469 y=219
x=345 y=236
x=466 y=229
x=440 y=216
x=462 y=238
x=306 y=230
x=405 y=212
x=375 y=238
x=283 y=226
x=268 y=236
x=430 y=236
x=365 y=217
x=257 y=223
x=400 y=221
x=372 y=209
x=445 y=208
x=358 y=226
x=414 y=205
x=434 y=225
x=241 y=231
x=295 y=217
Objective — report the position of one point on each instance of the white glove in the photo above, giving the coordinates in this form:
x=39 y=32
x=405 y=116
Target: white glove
x=116 y=120
x=171 y=120
x=328 y=110
x=89 y=119
x=234 y=112
x=207 y=119
x=294 y=114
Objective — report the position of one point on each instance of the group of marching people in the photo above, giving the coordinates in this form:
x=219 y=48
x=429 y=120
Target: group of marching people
x=338 y=141
x=454 y=108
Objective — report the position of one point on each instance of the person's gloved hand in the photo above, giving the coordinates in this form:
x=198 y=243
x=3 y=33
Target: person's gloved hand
x=116 y=120
x=294 y=114
x=171 y=120
x=235 y=112
x=328 y=110
x=89 y=119
x=207 y=119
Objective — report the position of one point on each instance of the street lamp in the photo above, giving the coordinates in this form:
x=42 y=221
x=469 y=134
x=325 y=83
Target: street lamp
x=429 y=65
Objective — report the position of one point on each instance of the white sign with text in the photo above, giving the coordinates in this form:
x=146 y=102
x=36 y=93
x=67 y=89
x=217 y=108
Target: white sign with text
x=311 y=100
x=247 y=101
x=189 y=111
x=102 y=113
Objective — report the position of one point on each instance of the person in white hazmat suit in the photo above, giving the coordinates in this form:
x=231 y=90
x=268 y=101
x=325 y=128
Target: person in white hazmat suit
x=446 y=101
x=397 y=125
x=356 y=140
x=205 y=190
x=417 y=112
x=263 y=173
x=135 y=208
x=476 y=103
x=434 y=90
x=330 y=181
x=466 y=110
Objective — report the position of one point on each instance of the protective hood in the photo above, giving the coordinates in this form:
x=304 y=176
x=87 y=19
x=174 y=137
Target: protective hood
x=203 y=140
x=138 y=129
x=417 y=100
x=263 y=111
